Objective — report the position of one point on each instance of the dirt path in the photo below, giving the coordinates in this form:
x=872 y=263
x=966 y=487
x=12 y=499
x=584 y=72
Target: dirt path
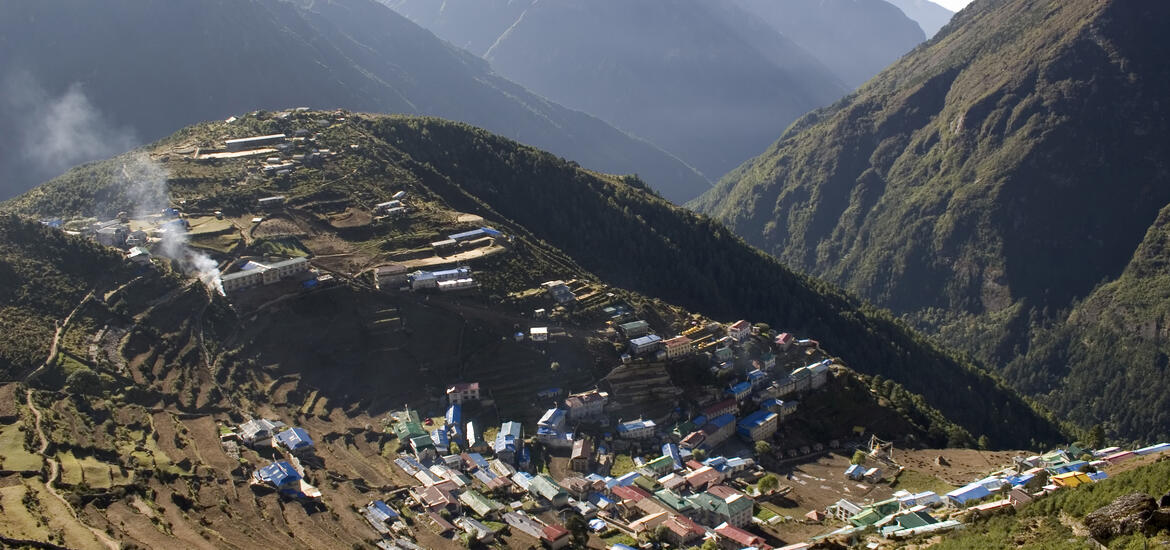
x=55 y=471
x=57 y=337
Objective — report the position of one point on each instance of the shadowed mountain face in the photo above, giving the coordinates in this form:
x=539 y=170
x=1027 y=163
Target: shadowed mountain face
x=84 y=80
x=703 y=80
x=984 y=184
x=854 y=38
x=930 y=16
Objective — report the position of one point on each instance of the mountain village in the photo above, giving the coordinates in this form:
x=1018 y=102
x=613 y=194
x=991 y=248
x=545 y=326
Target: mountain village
x=617 y=464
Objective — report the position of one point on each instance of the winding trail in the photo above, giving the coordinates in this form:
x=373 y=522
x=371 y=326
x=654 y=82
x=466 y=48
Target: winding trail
x=55 y=471
x=57 y=337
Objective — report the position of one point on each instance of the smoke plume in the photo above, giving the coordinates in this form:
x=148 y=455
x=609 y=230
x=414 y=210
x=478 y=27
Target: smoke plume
x=52 y=132
x=146 y=189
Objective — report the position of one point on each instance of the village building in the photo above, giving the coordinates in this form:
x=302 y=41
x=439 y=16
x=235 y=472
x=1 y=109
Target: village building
x=681 y=531
x=678 y=347
x=634 y=329
x=740 y=391
x=636 y=429
x=718 y=430
x=254 y=142
x=727 y=406
x=784 y=341
x=463 y=392
x=731 y=537
x=554 y=537
x=390 y=276
x=739 y=330
x=758 y=426
x=586 y=405
x=645 y=344
x=256 y=274
x=712 y=510
x=508 y=441
x=479 y=531
x=538 y=334
x=420 y=280
x=581 y=455
x=544 y=487
x=525 y=524
x=480 y=505
x=702 y=478
x=259 y=431
x=295 y=440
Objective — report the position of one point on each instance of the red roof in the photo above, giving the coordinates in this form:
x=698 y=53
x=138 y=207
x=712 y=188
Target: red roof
x=723 y=492
x=784 y=338
x=631 y=493
x=740 y=325
x=694 y=464
x=741 y=537
x=682 y=526
x=464 y=386
x=553 y=532
x=718 y=408
x=704 y=476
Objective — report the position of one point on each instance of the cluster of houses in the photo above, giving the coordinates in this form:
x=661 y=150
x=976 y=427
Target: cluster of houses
x=393 y=208
x=285 y=476
x=118 y=232
x=1027 y=479
x=467 y=482
x=487 y=484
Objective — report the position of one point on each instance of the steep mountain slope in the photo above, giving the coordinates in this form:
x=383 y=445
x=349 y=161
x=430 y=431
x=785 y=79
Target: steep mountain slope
x=854 y=38
x=703 y=80
x=125 y=71
x=607 y=225
x=133 y=415
x=929 y=15
x=985 y=182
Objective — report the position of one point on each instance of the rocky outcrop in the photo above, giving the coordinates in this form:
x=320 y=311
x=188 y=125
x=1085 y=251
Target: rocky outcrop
x=1127 y=515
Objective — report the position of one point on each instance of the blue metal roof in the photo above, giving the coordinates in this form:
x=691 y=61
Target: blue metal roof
x=382 y=511
x=742 y=387
x=279 y=473
x=722 y=420
x=646 y=340
x=455 y=414
x=295 y=439
x=755 y=419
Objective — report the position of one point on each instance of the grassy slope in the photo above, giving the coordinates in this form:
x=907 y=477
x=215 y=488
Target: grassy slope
x=982 y=184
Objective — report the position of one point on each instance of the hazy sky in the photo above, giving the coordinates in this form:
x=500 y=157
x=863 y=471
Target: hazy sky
x=953 y=5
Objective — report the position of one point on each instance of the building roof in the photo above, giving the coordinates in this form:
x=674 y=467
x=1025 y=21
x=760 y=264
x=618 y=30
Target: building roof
x=478 y=503
x=646 y=340
x=757 y=418
x=684 y=527
x=635 y=425
x=742 y=387
x=295 y=439
x=722 y=491
x=741 y=324
x=741 y=537
x=546 y=488
x=677 y=341
x=710 y=410
x=278 y=473
x=464 y=387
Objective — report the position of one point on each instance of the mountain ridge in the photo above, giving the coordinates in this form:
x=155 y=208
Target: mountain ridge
x=1020 y=142
x=338 y=53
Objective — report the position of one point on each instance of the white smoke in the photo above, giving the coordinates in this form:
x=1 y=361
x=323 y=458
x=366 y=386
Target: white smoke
x=146 y=188
x=54 y=132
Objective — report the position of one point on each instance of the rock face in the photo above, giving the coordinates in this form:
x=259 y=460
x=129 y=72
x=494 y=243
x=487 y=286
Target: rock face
x=1126 y=515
